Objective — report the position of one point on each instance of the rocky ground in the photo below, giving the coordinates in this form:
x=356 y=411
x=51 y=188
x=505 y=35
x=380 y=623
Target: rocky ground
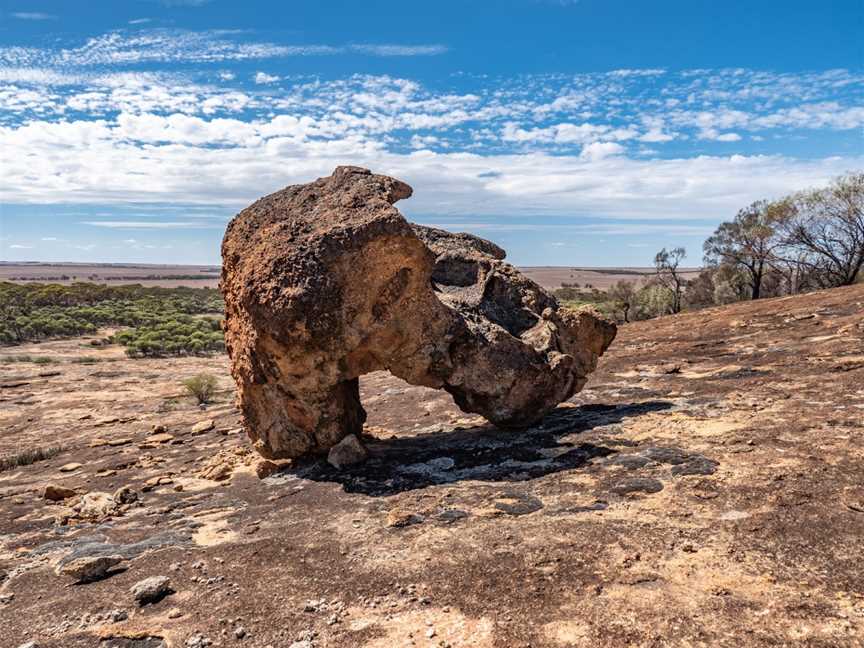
x=706 y=489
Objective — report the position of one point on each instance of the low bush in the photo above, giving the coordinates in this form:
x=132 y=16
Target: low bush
x=202 y=387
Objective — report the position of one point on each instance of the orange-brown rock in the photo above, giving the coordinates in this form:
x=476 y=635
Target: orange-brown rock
x=326 y=281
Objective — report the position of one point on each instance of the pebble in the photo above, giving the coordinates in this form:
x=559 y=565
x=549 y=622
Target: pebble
x=70 y=467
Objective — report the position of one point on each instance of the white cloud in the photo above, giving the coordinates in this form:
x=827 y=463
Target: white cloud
x=33 y=15
x=656 y=135
x=140 y=21
x=18 y=246
x=143 y=224
x=641 y=72
x=104 y=162
x=400 y=50
x=600 y=150
x=263 y=77
x=129 y=47
x=717 y=136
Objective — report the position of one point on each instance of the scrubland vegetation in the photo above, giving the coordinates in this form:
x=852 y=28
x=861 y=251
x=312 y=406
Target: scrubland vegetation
x=202 y=387
x=806 y=241
x=155 y=321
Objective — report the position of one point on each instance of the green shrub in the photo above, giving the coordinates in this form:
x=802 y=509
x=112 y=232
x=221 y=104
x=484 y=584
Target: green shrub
x=202 y=387
x=42 y=360
x=158 y=321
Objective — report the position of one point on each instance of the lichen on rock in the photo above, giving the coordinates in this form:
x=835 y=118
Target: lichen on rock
x=326 y=281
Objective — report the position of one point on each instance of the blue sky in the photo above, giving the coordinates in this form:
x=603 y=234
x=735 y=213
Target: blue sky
x=572 y=133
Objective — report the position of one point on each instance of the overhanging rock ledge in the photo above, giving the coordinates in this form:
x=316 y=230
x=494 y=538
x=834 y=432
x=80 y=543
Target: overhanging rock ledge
x=326 y=281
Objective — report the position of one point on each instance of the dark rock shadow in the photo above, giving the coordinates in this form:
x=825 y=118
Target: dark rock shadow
x=483 y=453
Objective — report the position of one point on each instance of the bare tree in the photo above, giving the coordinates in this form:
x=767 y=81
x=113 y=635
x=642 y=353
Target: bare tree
x=748 y=242
x=666 y=264
x=826 y=228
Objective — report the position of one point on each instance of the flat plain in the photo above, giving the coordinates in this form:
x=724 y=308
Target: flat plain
x=199 y=276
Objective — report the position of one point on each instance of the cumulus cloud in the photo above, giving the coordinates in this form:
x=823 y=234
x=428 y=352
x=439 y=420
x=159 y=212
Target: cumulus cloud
x=263 y=77
x=89 y=123
x=600 y=150
x=104 y=162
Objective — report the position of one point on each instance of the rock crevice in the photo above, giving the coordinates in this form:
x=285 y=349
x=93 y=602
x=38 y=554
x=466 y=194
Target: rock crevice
x=326 y=281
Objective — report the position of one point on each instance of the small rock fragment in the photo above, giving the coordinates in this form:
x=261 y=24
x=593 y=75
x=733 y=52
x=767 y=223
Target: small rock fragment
x=151 y=590
x=57 y=493
x=399 y=519
x=347 y=452
x=217 y=471
x=203 y=426
x=153 y=482
x=70 y=467
x=265 y=468
x=88 y=568
x=125 y=495
x=118 y=615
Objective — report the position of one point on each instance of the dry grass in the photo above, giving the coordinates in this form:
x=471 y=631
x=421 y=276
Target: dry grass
x=28 y=456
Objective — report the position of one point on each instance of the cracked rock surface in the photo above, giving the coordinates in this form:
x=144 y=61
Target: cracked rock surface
x=326 y=282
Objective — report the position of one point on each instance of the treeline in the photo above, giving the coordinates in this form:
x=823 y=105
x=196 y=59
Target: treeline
x=806 y=241
x=161 y=321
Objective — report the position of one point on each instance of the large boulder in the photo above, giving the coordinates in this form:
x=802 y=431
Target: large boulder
x=326 y=281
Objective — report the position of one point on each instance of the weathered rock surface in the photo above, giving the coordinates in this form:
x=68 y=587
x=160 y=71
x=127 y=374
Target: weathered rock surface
x=96 y=506
x=325 y=282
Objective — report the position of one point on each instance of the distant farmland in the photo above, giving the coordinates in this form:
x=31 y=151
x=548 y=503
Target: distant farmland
x=170 y=276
